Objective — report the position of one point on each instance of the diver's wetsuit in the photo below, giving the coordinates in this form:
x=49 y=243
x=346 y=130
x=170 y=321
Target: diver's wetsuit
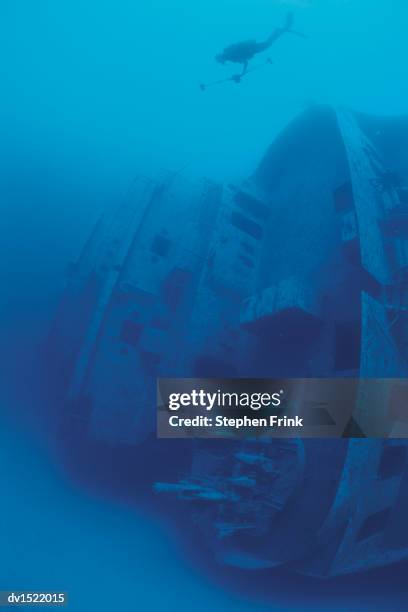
x=243 y=52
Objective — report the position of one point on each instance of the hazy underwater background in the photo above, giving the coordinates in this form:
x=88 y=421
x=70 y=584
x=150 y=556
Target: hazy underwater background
x=92 y=93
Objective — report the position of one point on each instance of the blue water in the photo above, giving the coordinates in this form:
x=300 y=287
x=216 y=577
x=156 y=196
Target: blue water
x=93 y=92
x=108 y=555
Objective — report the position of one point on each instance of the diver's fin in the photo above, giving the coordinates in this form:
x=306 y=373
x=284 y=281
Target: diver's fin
x=296 y=33
x=288 y=26
x=290 y=18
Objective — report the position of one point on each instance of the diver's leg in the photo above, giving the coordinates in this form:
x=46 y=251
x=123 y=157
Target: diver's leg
x=277 y=33
x=264 y=46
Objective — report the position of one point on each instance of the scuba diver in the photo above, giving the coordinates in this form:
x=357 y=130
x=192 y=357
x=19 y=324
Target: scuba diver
x=243 y=52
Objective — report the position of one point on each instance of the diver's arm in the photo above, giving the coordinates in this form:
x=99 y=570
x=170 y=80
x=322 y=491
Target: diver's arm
x=244 y=68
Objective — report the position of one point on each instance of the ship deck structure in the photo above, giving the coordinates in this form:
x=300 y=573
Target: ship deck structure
x=299 y=271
